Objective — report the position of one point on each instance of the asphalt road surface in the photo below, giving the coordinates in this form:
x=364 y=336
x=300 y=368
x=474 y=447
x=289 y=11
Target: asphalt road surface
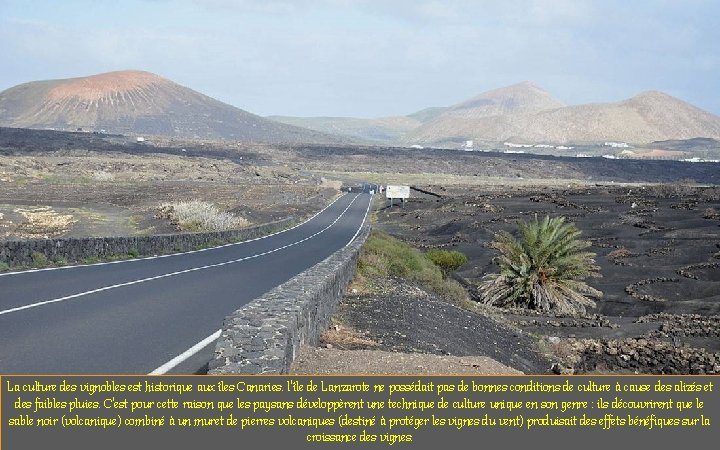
x=157 y=314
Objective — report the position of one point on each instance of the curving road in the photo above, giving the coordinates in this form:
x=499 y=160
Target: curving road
x=158 y=314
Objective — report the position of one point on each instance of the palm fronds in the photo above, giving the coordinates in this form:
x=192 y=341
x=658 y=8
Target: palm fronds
x=543 y=269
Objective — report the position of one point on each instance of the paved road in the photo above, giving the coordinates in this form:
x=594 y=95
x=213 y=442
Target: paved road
x=157 y=314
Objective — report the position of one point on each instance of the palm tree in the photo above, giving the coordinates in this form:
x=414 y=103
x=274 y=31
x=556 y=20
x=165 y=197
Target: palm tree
x=542 y=270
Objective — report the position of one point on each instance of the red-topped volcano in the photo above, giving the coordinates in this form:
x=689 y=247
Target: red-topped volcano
x=140 y=103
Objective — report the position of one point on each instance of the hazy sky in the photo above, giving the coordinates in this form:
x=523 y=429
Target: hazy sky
x=370 y=58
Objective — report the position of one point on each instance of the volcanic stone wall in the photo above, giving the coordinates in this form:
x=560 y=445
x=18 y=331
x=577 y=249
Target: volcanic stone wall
x=265 y=335
x=20 y=253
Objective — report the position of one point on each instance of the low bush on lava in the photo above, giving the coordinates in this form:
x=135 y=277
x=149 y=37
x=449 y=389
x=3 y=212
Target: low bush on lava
x=385 y=256
x=447 y=260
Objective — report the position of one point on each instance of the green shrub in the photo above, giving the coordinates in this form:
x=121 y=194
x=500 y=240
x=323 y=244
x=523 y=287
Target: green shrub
x=384 y=256
x=447 y=260
x=60 y=261
x=90 y=260
x=215 y=243
x=452 y=291
x=133 y=253
x=39 y=259
x=543 y=269
x=4 y=267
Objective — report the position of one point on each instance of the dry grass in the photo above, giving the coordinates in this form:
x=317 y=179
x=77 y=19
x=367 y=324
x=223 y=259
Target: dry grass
x=345 y=337
x=333 y=184
x=42 y=223
x=619 y=253
x=197 y=215
x=711 y=213
x=101 y=175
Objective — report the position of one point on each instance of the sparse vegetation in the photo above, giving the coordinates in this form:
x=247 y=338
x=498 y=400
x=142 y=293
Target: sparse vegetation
x=621 y=252
x=90 y=260
x=711 y=213
x=43 y=222
x=197 y=215
x=39 y=259
x=101 y=175
x=384 y=256
x=542 y=270
x=60 y=262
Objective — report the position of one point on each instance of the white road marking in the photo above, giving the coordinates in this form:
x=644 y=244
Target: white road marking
x=171 y=274
x=4 y=274
x=361 y=224
x=168 y=366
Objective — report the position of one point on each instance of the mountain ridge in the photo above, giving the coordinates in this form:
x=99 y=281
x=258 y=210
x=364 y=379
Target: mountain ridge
x=139 y=102
x=646 y=117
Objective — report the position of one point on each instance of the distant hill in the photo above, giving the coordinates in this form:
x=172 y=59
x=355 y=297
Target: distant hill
x=369 y=131
x=136 y=102
x=435 y=125
x=384 y=130
x=649 y=116
x=427 y=114
x=521 y=98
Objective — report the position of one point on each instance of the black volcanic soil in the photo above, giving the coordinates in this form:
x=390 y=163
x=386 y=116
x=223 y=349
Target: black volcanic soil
x=400 y=317
x=14 y=141
x=501 y=165
x=658 y=248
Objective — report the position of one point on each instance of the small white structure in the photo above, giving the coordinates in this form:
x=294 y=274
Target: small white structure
x=562 y=147
x=512 y=145
x=616 y=145
x=140 y=139
x=700 y=160
x=419 y=147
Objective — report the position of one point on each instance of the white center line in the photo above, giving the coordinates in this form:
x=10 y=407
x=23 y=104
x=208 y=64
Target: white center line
x=171 y=274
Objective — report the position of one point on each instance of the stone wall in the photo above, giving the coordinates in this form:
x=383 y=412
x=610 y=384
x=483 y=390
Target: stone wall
x=265 y=335
x=19 y=253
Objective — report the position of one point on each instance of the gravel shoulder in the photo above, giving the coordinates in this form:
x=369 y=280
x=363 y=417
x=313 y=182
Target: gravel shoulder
x=321 y=361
